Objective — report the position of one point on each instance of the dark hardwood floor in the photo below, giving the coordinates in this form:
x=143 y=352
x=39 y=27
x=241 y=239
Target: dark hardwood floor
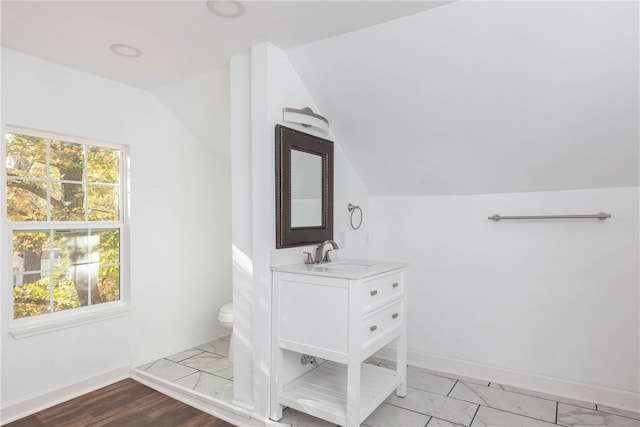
x=124 y=404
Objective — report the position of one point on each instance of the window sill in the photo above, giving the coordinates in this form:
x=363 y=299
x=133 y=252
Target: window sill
x=31 y=326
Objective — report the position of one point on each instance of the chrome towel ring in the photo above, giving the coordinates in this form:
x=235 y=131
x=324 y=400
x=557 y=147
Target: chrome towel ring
x=353 y=208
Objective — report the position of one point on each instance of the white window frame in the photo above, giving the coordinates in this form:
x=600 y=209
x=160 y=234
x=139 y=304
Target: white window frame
x=50 y=322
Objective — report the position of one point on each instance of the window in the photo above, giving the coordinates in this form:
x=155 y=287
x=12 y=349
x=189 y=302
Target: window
x=64 y=211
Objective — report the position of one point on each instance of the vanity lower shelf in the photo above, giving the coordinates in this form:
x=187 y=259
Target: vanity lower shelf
x=323 y=391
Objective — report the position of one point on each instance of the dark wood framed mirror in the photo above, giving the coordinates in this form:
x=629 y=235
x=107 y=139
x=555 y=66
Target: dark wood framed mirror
x=304 y=188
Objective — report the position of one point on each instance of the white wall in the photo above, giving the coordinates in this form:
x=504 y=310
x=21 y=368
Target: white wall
x=262 y=85
x=180 y=237
x=551 y=305
x=242 y=232
x=180 y=188
x=201 y=103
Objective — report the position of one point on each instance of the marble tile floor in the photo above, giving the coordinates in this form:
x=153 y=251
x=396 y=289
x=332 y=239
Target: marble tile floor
x=434 y=399
x=204 y=369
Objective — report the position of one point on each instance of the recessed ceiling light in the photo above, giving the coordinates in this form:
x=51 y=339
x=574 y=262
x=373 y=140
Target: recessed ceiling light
x=226 y=8
x=125 y=50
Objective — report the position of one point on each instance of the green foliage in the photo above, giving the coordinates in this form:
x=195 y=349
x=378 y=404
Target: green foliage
x=109 y=283
x=35 y=298
x=98 y=158
x=74 y=169
x=26 y=156
x=31 y=299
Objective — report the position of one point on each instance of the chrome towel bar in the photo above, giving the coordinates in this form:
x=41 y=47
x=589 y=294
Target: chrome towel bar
x=600 y=215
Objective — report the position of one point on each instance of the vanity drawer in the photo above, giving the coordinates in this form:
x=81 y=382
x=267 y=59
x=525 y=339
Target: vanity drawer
x=377 y=292
x=381 y=324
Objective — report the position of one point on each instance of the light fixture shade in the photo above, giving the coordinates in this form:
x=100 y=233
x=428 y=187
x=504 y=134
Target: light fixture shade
x=125 y=50
x=306 y=117
x=226 y=8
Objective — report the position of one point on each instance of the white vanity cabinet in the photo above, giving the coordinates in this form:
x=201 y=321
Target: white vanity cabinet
x=342 y=312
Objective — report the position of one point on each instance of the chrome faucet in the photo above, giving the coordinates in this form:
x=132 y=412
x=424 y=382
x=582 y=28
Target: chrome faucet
x=324 y=257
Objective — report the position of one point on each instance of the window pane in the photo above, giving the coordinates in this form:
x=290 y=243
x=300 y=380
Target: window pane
x=26 y=200
x=18 y=280
x=103 y=165
x=31 y=299
x=109 y=283
x=81 y=277
x=103 y=203
x=74 y=247
x=65 y=294
x=30 y=253
x=67 y=161
x=26 y=156
x=67 y=201
x=51 y=259
x=109 y=246
x=79 y=252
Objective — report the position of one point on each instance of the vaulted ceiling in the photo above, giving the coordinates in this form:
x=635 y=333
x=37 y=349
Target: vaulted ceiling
x=485 y=97
x=471 y=97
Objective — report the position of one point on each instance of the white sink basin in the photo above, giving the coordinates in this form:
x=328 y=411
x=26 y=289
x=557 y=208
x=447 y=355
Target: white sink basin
x=342 y=268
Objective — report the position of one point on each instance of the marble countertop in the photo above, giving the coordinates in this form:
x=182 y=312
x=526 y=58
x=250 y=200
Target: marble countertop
x=343 y=268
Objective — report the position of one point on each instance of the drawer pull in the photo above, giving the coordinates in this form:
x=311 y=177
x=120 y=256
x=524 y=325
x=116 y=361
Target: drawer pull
x=394 y=315
x=373 y=328
x=373 y=293
x=395 y=284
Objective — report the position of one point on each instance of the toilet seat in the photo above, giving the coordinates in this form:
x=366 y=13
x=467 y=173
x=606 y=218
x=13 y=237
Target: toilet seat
x=225 y=316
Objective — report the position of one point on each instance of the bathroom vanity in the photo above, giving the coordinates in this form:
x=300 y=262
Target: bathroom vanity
x=342 y=312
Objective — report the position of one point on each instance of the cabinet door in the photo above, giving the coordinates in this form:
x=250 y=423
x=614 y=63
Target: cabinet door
x=313 y=318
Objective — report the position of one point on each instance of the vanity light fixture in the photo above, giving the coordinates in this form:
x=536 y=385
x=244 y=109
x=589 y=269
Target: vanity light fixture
x=226 y=8
x=306 y=117
x=125 y=50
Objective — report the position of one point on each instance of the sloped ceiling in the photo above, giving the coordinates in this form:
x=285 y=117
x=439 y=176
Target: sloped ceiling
x=485 y=97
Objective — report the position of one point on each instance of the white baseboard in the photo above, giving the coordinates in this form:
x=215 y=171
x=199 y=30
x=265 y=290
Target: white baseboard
x=592 y=393
x=15 y=410
x=24 y=407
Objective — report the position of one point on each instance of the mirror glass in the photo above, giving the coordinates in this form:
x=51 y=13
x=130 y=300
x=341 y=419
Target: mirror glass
x=306 y=189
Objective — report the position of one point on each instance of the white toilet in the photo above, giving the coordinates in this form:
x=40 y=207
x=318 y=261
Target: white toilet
x=225 y=316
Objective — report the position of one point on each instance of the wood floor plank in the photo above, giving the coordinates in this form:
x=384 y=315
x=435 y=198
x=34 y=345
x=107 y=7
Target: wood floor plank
x=29 y=421
x=125 y=403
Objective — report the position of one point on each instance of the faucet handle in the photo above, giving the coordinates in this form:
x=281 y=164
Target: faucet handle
x=307 y=258
x=327 y=257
